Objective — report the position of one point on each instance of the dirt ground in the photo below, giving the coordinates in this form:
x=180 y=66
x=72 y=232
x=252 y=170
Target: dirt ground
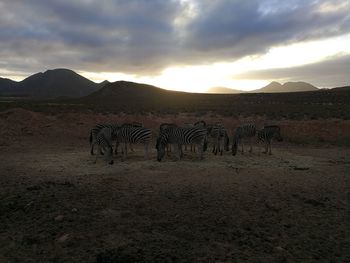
x=56 y=205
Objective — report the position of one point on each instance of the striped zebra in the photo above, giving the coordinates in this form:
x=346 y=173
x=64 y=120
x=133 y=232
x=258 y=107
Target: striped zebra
x=198 y=124
x=128 y=125
x=133 y=135
x=241 y=132
x=192 y=147
x=164 y=126
x=267 y=134
x=219 y=137
x=181 y=136
x=96 y=129
x=104 y=141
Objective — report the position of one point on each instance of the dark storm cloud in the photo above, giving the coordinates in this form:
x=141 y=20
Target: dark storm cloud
x=141 y=36
x=328 y=73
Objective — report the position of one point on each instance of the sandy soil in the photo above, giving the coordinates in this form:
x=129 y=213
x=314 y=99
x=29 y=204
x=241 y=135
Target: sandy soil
x=56 y=205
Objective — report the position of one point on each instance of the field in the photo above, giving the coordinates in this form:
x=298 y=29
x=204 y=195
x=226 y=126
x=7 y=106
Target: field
x=56 y=205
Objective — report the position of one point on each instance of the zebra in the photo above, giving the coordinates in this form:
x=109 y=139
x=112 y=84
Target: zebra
x=104 y=141
x=220 y=138
x=192 y=147
x=267 y=134
x=95 y=130
x=180 y=136
x=164 y=126
x=128 y=125
x=241 y=132
x=134 y=135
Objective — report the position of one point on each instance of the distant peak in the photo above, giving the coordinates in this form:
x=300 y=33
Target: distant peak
x=59 y=70
x=275 y=83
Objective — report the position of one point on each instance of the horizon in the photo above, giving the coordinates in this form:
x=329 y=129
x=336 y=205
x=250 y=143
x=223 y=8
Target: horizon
x=184 y=45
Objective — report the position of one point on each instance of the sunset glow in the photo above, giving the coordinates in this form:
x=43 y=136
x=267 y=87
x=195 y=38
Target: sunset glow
x=185 y=45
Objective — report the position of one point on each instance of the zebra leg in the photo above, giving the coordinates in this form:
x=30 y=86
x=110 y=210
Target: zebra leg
x=251 y=147
x=116 y=148
x=178 y=151
x=200 y=150
x=92 y=148
x=99 y=150
x=270 y=148
x=266 y=146
x=124 y=151
x=130 y=146
x=242 y=147
x=168 y=149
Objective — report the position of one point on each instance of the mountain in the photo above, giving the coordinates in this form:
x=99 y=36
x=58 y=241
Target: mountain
x=286 y=87
x=52 y=84
x=270 y=88
x=224 y=90
x=126 y=92
x=6 y=85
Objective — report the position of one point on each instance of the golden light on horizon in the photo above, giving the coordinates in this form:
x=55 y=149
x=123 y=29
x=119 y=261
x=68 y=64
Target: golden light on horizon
x=199 y=78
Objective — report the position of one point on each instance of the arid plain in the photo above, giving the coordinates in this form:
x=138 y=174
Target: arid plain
x=58 y=206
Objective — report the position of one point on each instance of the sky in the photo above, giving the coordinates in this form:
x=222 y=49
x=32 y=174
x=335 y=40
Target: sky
x=187 y=45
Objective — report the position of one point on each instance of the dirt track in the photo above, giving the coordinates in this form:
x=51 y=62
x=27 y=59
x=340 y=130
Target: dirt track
x=58 y=206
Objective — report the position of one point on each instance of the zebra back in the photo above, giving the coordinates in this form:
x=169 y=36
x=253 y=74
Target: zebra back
x=164 y=126
x=133 y=135
x=132 y=124
x=268 y=132
x=179 y=135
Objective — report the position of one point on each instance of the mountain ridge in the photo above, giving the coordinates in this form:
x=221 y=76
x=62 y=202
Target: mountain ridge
x=52 y=83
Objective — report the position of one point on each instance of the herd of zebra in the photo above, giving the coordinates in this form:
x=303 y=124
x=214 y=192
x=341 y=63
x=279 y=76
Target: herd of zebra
x=171 y=136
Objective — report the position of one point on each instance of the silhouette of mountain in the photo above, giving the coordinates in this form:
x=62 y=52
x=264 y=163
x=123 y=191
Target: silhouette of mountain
x=286 y=87
x=52 y=84
x=127 y=93
x=6 y=85
x=224 y=90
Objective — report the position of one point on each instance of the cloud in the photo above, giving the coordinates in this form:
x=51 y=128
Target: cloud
x=146 y=36
x=329 y=73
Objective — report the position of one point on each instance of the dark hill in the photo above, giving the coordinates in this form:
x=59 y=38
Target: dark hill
x=125 y=94
x=137 y=98
x=6 y=85
x=53 y=84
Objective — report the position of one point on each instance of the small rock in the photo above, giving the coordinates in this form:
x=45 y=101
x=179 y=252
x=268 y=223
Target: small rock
x=59 y=218
x=74 y=210
x=280 y=249
x=63 y=238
